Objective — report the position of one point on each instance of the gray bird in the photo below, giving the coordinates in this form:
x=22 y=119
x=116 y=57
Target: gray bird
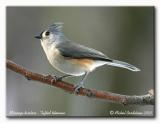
x=74 y=59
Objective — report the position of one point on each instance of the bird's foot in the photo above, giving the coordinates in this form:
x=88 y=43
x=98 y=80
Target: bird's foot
x=78 y=87
x=55 y=78
x=59 y=78
x=28 y=78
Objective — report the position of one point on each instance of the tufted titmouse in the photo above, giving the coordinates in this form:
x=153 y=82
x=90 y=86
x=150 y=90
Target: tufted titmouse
x=74 y=59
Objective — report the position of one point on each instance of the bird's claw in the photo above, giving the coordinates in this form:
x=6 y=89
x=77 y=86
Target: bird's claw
x=59 y=78
x=28 y=78
x=56 y=78
x=77 y=88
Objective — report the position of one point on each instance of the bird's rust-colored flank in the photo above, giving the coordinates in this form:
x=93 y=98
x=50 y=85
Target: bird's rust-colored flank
x=86 y=63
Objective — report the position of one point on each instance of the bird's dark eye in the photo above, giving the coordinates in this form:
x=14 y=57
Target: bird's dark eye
x=47 y=33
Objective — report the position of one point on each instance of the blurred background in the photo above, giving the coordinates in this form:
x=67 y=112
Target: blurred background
x=122 y=33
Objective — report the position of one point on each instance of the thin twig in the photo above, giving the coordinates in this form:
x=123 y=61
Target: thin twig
x=147 y=99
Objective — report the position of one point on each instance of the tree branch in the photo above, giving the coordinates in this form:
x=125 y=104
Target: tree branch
x=147 y=99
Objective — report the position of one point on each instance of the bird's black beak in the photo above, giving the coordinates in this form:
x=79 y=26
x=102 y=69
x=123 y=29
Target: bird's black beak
x=38 y=36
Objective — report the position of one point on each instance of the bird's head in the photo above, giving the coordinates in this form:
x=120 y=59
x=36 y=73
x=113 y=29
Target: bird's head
x=52 y=34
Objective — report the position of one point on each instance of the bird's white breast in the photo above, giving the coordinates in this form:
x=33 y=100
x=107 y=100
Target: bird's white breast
x=59 y=62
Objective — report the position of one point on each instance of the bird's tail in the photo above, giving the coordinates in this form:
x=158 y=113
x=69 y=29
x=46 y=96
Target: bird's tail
x=123 y=65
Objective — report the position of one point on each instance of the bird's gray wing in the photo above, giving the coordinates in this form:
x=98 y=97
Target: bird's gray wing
x=76 y=51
